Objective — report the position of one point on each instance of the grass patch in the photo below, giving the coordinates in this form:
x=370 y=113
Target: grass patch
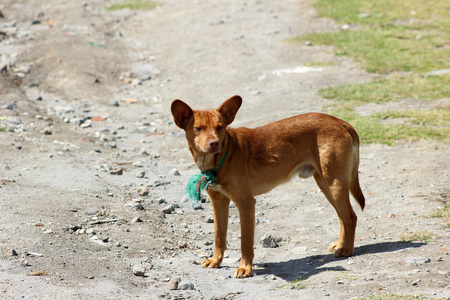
x=134 y=5
x=417 y=13
x=387 y=89
x=390 y=36
x=389 y=297
x=2 y=129
x=370 y=130
x=418 y=236
x=384 y=50
x=298 y=284
x=432 y=124
x=443 y=213
x=319 y=64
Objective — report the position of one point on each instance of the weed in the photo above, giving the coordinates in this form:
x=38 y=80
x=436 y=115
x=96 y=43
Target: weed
x=134 y=5
x=443 y=213
x=419 y=236
x=389 y=297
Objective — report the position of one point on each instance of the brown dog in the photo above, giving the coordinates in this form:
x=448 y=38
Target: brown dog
x=257 y=160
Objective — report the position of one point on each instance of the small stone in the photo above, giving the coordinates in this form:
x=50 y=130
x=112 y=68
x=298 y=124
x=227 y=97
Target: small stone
x=140 y=174
x=138 y=270
x=116 y=172
x=114 y=103
x=174 y=172
x=415 y=282
x=173 y=284
x=168 y=209
x=90 y=231
x=47 y=131
x=186 y=286
x=143 y=191
x=182 y=245
x=91 y=211
x=137 y=220
x=268 y=241
x=209 y=220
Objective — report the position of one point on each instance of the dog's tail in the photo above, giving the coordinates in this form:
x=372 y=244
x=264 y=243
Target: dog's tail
x=355 y=188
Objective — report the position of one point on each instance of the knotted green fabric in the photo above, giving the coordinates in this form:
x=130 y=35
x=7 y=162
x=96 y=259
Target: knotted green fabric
x=201 y=182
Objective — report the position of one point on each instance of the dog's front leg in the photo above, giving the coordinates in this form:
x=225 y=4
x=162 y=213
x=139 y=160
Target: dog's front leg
x=221 y=206
x=246 y=209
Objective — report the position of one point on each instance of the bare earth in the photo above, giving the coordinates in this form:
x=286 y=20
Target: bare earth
x=75 y=116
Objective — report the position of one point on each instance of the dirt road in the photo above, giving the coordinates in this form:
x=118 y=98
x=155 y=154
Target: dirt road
x=85 y=99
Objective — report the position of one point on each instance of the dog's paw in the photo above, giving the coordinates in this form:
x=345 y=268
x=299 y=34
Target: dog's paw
x=243 y=272
x=210 y=263
x=340 y=251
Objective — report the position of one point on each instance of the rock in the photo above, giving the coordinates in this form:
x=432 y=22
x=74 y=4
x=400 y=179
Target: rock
x=174 y=172
x=268 y=241
x=210 y=220
x=138 y=270
x=90 y=231
x=15 y=121
x=116 y=172
x=137 y=220
x=143 y=191
x=91 y=211
x=186 y=286
x=173 y=284
x=168 y=209
x=144 y=71
x=114 y=103
x=182 y=245
x=140 y=174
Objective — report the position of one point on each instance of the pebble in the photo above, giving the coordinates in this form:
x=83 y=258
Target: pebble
x=91 y=211
x=268 y=241
x=168 y=209
x=186 y=286
x=137 y=220
x=138 y=270
x=173 y=284
x=143 y=191
x=174 y=172
x=140 y=174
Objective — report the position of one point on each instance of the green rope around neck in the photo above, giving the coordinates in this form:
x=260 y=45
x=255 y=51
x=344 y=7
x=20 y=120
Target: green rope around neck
x=201 y=182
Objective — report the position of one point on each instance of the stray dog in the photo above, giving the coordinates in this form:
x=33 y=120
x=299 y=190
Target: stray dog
x=248 y=162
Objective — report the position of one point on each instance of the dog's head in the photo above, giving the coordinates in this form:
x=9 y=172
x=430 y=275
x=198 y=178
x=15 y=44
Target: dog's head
x=206 y=129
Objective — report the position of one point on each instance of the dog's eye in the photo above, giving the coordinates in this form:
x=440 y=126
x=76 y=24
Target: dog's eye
x=219 y=127
x=197 y=129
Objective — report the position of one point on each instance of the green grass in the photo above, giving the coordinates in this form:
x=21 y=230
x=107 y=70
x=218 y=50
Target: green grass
x=386 y=36
x=389 y=297
x=393 y=88
x=423 y=124
x=389 y=35
x=414 y=14
x=417 y=236
x=319 y=64
x=443 y=213
x=385 y=50
x=134 y=5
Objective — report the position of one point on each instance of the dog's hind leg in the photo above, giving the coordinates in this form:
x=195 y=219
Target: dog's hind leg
x=337 y=193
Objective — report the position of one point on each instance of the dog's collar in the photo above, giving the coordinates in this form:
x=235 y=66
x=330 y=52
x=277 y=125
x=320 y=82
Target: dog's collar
x=201 y=182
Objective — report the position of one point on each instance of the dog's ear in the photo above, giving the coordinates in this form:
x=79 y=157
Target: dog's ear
x=229 y=108
x=181 y=113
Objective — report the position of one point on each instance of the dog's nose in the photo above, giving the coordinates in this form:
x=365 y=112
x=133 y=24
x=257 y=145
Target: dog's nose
x=213 y=143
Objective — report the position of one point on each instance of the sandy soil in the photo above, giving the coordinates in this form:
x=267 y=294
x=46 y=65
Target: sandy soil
x=83 y=133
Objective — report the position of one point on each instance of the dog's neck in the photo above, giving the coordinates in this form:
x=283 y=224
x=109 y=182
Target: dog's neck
x=208 y=161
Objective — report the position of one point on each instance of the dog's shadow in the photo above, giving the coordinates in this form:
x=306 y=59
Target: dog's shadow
x=311 y=265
